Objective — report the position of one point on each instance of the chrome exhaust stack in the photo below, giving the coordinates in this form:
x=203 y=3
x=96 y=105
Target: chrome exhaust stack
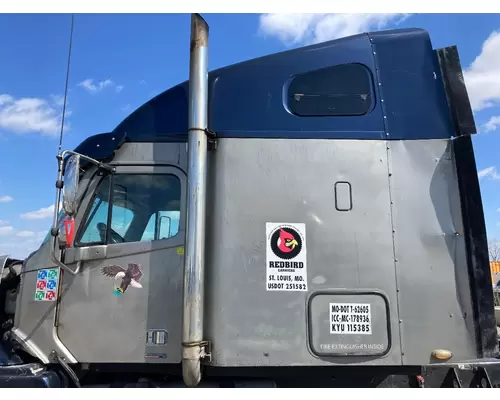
x=194 y=348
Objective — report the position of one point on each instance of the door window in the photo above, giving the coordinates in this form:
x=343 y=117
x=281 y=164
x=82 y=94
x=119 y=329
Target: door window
x=133 y=208
x=162 y=225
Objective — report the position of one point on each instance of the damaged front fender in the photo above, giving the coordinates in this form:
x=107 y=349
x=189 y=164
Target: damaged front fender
x=3 y=263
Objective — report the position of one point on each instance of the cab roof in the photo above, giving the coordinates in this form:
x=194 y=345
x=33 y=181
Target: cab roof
x=247 y=99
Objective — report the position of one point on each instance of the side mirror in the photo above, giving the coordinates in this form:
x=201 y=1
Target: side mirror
x=61 y=235
x=70 y=188
x=165 y=222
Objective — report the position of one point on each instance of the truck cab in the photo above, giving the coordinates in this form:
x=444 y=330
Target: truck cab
x=310 y=211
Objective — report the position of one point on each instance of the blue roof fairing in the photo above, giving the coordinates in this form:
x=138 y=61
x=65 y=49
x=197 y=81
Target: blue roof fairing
x=247 y=99
x=411 y=85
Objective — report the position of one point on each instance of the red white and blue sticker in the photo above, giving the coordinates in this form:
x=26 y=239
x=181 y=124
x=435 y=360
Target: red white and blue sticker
x=47 y=282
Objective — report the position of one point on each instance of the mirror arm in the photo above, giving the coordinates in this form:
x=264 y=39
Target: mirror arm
x=59 y=186
x=98 y=163
x=59 y=263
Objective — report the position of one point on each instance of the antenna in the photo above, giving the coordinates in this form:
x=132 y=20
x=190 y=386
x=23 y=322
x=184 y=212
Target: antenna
x=59 y=183
x=66 y=86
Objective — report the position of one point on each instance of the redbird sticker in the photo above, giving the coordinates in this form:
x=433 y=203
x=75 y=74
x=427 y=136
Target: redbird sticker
x=286 y=257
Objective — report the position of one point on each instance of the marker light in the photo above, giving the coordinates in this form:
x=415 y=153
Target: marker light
x=442 y=354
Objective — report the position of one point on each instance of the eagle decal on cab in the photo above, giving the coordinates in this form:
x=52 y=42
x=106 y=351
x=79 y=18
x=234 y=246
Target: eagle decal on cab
x=129 y=277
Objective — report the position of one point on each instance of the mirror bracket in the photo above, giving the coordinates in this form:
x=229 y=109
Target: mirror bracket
x=81 y=254
x=58 y=263
x=60 y=184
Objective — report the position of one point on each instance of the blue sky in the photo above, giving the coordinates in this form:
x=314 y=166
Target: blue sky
x=121 y=61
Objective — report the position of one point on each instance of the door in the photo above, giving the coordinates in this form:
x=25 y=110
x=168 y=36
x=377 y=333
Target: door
x=125 y=304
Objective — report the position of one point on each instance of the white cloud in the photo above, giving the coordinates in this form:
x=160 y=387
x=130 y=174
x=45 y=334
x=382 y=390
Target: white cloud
x=30 y=114
x=26 y=234
x=126 y=107
x=490 y=172
x=482 y=76
x=492 y=124
x=6 y=199
x=21 y=248
x=42 y=213
x=3 y=222
x=90 y=86
x=58 y=100
x=294 y=29
x=6 y=230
